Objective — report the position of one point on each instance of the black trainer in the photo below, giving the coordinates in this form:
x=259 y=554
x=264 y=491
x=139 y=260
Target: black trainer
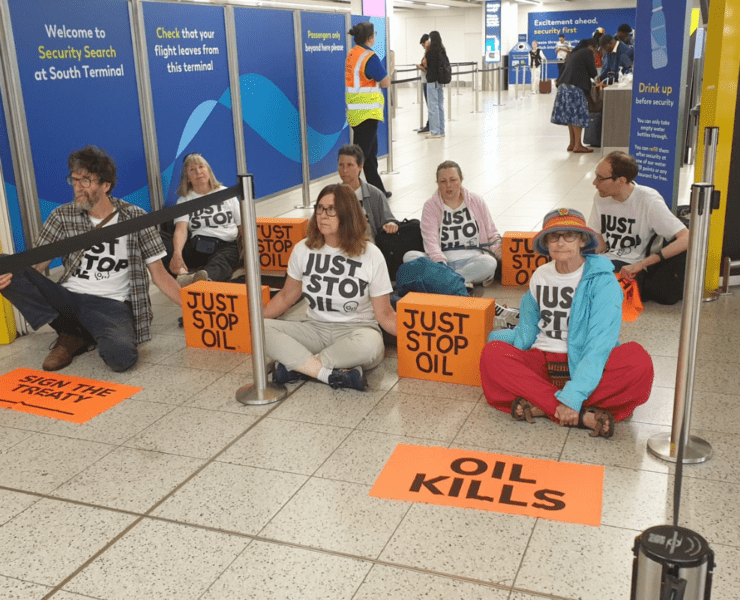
x=348 y=378
x=282 y=375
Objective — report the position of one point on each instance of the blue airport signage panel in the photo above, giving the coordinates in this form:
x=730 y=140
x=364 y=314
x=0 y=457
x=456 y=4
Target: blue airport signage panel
x=492 y=53
x=11 y=190
x=191 y=95
x=324 y=55
x=269 y=96
x=79 y=87
x=657 y=90
x=546 y=27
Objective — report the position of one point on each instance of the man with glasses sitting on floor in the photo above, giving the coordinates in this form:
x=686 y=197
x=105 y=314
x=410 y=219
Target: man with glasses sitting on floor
x=102 y=297
x=632 y=220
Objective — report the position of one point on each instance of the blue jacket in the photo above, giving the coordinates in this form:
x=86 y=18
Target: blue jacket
x=593 y=330
x=622 y=57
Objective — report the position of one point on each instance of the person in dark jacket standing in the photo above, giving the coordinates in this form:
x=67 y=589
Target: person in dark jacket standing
x=436 y=56
x=574 y=85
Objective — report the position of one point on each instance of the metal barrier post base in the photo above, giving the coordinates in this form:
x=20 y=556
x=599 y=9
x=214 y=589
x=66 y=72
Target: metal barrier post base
x=250 y=395
x=311 y=207
x=696 y=451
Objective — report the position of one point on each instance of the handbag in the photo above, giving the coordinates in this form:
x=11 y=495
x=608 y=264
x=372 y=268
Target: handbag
x=394 y=245
x=204 y=244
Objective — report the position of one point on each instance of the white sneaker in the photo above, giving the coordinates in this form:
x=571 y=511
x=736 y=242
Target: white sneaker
x=186 y=279
x=506 y=318
x=488 y=282
x=434 y=135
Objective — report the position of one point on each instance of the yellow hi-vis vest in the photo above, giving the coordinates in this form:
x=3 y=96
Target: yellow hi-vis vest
x=364 y=98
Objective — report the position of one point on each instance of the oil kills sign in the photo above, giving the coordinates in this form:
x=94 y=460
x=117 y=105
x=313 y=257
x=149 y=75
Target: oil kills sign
x=508 y=484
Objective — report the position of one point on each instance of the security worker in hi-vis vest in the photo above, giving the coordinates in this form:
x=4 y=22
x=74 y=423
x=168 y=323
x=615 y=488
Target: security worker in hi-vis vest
x=364 y=75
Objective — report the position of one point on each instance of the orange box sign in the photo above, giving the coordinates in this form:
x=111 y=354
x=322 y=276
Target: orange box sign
x=545 y=489
x=215 y=315
x=64 y=397
x=276 y=239
x=519 y=260
x=441 y=337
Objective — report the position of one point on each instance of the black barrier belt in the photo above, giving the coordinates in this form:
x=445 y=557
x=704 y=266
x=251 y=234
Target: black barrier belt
x=12 y=263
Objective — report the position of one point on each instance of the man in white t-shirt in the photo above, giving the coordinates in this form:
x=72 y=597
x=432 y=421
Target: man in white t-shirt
x=628 y=216
x=562 y=49
x=102 y=297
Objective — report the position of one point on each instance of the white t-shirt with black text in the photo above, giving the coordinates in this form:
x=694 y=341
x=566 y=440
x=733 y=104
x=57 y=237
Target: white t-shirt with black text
x=553 y=293
x=220 y=220
x=458 y=228
x=104 y=270
x=338 y=287
x=628 y=226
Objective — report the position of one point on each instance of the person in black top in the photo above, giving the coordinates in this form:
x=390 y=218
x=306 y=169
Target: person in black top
x=535 y=60
x=574 y=85
x=435 y=90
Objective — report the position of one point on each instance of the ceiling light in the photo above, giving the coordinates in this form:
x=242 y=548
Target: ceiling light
x=436 y=5
x=535 y=2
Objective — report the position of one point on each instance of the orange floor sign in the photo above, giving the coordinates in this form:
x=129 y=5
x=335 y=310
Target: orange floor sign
x=64 y=397
x=508 y=484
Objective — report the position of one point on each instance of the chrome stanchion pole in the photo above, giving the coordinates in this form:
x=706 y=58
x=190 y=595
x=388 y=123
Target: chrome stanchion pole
x=668 y=446
x=260 y=391
x=305 y=167
x=475 y=89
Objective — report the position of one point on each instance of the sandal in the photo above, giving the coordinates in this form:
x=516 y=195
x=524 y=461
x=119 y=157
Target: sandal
x=526 y=410
x=604 y=422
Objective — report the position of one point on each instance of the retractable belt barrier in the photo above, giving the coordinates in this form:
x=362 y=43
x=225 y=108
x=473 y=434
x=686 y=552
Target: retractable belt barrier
x=12 y=263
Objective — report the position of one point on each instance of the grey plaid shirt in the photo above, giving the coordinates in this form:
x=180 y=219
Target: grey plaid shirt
x=69 y=220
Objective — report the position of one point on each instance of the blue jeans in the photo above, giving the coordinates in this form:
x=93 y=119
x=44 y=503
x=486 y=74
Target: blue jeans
x=435 y=100
x=473 y=270
x=109 y=323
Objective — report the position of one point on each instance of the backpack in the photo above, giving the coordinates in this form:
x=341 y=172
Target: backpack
x=444 y=70
x=664 y=282
x=428 y=277
x=395 y=245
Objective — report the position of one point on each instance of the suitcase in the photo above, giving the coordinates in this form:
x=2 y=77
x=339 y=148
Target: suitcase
x=592 y=133
x=546 y=86
x=395 y=245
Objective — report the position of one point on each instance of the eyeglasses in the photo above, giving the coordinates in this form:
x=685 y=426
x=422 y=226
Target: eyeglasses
x=599 y=178
x=84 y=182
x=554 y=236
x=329 y=210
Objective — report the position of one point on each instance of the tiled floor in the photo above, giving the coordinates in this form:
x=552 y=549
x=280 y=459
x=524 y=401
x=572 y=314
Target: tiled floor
x=182 y=492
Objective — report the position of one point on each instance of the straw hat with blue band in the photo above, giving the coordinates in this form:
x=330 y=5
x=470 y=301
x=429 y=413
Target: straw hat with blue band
x=565 y=219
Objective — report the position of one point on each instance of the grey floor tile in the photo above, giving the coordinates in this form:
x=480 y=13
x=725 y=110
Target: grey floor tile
x=561 y=559
x=15 y=589
x=496 y=431
x=724 y=464
x=461 y=542
x=628 y=447
x=385 y=375
x=715 y=376
x=658 y=410
x=48 y=541
x=208 y=360
x=635 y=499
x=338 y=516
x=221 y=395
x=713 y=411
x=172 y=384
x=271 y=572
x=436 y=389
x=159 y=560
x=129 y=479
x=317 y=403
x=288 y=446
x=665 y=371
x=406 y=414
x=657 y=342
x=362 y=456
x=231 y=497
x=403 y=584
x=711 y=509
x=27 y=421
x=192 y=432
x=115 y=425
x=9 y=437
x=726 y=577
x=161 y=347
x=43 y=462
x=14 y=503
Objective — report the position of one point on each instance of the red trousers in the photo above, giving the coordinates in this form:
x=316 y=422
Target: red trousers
x=508 y=373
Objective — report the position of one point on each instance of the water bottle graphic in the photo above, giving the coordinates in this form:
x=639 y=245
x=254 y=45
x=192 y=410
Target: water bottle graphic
x=658 y=36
